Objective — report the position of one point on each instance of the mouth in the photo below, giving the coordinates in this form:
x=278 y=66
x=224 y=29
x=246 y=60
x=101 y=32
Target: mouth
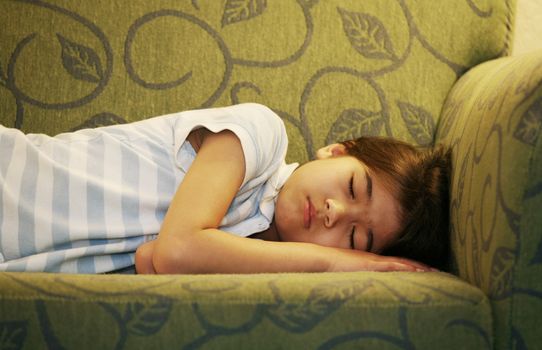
x=308 y=214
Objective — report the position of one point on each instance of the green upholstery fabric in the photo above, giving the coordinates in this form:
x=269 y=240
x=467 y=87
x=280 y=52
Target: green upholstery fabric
x=492 y=119
x=333 y=70
x=297 y=311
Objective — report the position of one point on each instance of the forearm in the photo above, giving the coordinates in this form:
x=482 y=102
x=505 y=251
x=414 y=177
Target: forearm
x=215 y=251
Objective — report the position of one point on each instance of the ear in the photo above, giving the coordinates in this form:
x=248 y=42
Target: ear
x=333 y=150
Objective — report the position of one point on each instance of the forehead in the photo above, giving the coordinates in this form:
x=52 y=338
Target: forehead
x=386 y=213
x=343 y=162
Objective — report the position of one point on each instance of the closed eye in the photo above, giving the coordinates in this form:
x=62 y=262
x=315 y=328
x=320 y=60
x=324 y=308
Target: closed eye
x=352 y=245
x=369 y=186
x=369 y=241
x=351 y=187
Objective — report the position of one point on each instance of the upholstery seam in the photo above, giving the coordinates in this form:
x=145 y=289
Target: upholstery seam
x=510 y=24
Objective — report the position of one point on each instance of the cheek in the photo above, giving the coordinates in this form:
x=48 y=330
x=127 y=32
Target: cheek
x=323 y=237
x=328 y=238
x=285 y=219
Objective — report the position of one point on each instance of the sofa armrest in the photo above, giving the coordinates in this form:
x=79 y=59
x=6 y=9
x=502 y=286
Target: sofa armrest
x=492 y=120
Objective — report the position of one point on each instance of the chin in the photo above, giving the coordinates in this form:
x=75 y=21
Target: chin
x=288 y=218
x=283 y=224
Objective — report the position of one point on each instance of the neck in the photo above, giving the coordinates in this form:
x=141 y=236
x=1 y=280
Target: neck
x=271 y=234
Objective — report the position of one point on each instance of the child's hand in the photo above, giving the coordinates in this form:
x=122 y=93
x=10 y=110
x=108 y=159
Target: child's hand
x=350 y=260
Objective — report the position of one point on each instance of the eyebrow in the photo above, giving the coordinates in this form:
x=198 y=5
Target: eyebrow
x=369 y=184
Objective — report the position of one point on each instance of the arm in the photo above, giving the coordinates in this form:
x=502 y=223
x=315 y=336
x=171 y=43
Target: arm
x=189 y=241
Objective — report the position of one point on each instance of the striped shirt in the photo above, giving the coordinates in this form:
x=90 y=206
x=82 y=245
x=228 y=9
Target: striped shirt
x=83 y=202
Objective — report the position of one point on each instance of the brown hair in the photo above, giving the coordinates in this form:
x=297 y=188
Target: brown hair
x=419 y=180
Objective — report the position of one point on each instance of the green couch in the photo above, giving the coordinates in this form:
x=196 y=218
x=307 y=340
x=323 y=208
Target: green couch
x=424 y=71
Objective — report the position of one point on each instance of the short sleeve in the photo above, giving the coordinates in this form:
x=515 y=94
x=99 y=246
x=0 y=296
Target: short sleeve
x=261 y=132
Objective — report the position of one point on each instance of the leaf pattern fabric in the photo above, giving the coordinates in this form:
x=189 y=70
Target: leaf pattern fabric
x=489 y=120
x=367 y=35
x=313 y=62
x=242 y=10
x=80 y=61
x=257 y=311
x=333 y=70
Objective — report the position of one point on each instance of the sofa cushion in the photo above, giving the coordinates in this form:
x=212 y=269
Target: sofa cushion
x=298 y=311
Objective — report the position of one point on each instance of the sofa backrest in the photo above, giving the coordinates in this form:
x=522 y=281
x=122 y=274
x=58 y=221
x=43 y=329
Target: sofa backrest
x=332 y=69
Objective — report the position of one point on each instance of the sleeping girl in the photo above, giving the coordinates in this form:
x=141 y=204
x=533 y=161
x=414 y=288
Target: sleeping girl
x=209 y=191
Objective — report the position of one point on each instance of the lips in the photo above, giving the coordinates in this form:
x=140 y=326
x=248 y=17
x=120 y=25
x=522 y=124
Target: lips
x=308 y=213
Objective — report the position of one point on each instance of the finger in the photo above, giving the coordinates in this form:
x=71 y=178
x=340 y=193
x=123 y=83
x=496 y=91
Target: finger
x=394 y=266
x=418 y=265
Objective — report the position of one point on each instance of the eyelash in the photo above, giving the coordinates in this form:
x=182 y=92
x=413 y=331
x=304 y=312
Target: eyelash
x=370 y=241
x=352 y=237
x=351 y=189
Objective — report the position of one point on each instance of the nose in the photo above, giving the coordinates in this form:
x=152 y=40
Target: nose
x=334 y=211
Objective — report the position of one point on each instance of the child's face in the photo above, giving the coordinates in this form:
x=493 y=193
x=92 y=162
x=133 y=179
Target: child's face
x=317 y=204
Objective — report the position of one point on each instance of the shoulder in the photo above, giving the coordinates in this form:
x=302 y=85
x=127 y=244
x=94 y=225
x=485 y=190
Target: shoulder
x=264 y=130
x=247 y=115
x=257 y=126
x=261 y=132
x=255 y=111
x=259 y=120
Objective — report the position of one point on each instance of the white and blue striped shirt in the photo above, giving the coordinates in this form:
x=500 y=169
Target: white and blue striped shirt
x=83 y=202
